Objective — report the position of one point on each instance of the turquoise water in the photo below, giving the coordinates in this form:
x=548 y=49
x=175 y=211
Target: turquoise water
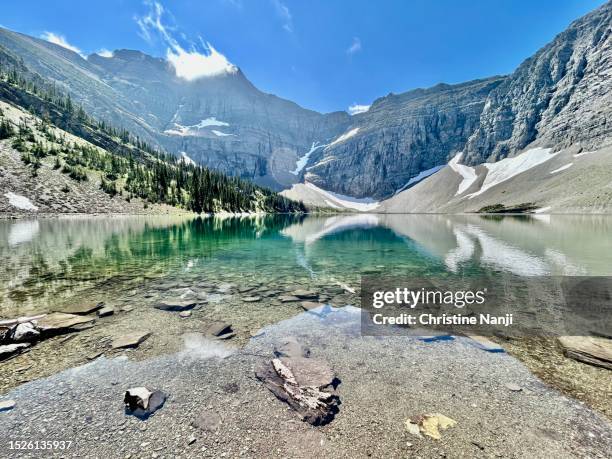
x=48 y=262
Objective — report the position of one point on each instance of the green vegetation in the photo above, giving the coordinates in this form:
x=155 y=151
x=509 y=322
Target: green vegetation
x=125 y=164
x=523 y=208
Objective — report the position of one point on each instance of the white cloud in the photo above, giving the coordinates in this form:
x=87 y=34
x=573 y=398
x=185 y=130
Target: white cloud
x=192 y=65
x=355 y=46
x=284 y=14
x=104 y=53
x=61 y=41
x=188 y=64
x=356 y=108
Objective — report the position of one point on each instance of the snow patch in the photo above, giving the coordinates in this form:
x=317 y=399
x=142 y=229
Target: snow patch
x=578 y=155
x=468 y=173
x=301 y=162
x=562 y=168
x=510 y=167
x=542 y=210
x=194 y=129
x=21 y=202
x=360 y=204
x=420 y=176
x=220 y=134
x=345 y=136
x=212 y=121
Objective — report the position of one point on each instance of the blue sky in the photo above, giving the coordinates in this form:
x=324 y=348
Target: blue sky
x=325 y=55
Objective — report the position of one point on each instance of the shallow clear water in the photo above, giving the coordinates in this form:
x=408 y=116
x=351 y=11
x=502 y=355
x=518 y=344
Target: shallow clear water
x=48 y=262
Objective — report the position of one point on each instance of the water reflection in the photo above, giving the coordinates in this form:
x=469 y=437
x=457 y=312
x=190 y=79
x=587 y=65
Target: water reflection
x=46 y=261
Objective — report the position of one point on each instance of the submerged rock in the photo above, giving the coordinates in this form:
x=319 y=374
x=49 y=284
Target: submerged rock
x=207 y=420
x=309 y=305
x=306 y=385
x=82 y=309
x=429 y=424
x=176 y=305
x=218 y=329
x=290 y=347
x=305 y=294
x=142 y=403
x=105 y=312
x=288 y=298
x=130 y=340
x=59 y=322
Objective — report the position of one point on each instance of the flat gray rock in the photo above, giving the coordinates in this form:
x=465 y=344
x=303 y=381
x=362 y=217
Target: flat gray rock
x=130 y=340
x=251 y=299
x=218 y=329
x=176 y=305
x=81 y=309
x=57 y=322
x=308 y=305
x=305 y=294
x=105 y=312
x=588 y=349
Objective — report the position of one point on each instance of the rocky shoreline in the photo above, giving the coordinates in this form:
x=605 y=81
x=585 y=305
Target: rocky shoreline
x=396 y=397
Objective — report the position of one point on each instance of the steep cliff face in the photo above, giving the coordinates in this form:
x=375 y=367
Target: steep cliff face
x=561 y=96
x=223 y=121
x=399 y=137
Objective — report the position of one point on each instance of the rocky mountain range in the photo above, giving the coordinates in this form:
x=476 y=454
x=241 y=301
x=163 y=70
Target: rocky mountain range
x=221 y=121
x=558 y=98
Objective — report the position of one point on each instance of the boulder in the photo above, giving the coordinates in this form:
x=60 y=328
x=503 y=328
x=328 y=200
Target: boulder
x=184 y=314
x=133 y=339
x=588 y=349
x=142 y=403
x=306 y=385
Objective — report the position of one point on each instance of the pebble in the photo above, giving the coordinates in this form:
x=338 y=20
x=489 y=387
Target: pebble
x=513 y=387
